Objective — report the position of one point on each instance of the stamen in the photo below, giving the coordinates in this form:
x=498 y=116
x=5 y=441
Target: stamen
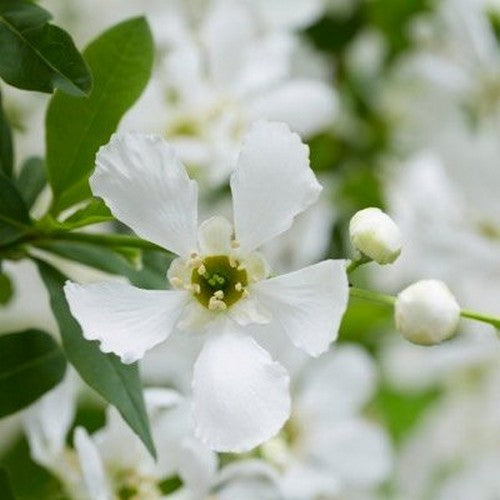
x=215 y=304
x=235 y=244
x=195 y=262
x=219 y=294
x=202 y=269
x=241 y=267
x=244 y=294
x=238 y=287
x=176 y=282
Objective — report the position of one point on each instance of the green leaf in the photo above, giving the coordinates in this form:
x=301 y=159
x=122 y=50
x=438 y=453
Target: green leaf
x=6 y=492
x=107 y=260
x=31 y=179
x=14 y=217
x=92 y=213
x=117 y=383
x=6 y=148
x=31 y=363
x=36 y=55
x=121 y=61
x=6 y=289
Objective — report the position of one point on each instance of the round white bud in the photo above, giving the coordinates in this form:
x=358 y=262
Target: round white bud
x=375 y=235
x=426 y=312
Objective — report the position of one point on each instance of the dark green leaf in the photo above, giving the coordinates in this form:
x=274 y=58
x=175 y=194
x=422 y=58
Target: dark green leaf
x=31 y=179
x=31 y=363
x=36 y=55
x=6 y=148
x=14 y=216
x=92 y=213
x=171 y=484
x=121 y=61
x=6 y=289
x=109 y=261
x=117 y=383
x=6 y=492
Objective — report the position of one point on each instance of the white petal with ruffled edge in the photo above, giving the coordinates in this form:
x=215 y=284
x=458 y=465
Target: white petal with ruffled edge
x=307 y=106
x=272 y=183
x=240 y=394
x=126 y=320
x=94 y=474
x=214 y=236
x=351 y=376
x=308 y=304
x=146 y=187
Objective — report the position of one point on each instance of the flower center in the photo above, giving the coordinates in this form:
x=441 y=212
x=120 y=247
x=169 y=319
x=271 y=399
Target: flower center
x=219 y=282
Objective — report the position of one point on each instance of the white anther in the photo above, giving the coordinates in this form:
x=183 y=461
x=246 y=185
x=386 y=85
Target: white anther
x=202 y=269
x=215 y=304
x=245 y=294
x=196 y=288
x=241 y=267
x=238 y=287
x=232 y=261
x=235 y=244
x=219 y=294
x=176 y=282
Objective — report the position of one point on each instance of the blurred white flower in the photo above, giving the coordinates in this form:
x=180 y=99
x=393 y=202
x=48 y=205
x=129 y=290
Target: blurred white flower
x=454 y=451
x=240 y=394
x=375 y=235
x=328 y=449
x=426 y=312
x=221 y=71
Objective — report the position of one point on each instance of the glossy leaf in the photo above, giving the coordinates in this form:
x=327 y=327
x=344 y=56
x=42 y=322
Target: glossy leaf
x=6 y=289
x=14 y=216
x=31 y=180
x=121 y=61
x=117 y=383
x=94 y=212
x=31 y=363
x=37 y=55
x=6 y=148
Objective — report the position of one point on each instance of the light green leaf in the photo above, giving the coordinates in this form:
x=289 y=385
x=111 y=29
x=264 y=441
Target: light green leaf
x=36 y=55
x=117 y=383
x=121 y=61
x=6 y=148
x=14 y=217
x=31 y=363
x=94 y=212
x=31 y=179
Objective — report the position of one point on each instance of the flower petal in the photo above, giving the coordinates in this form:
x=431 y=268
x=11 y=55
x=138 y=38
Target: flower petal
x=126 y=320
x=272 y=183
x=307 y=106
x=240 y=394
x=351 y=379
x=146 y=187
x=308 y=304
x=197 y=466
x=214 y=236
x=92 y=466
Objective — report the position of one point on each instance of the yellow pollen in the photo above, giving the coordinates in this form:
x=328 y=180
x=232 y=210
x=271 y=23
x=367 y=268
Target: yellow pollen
x=238 y=287
x=241 y=267
x=202 y=269
x=219 y=294
x=215 y=304
x=245 y=294
x=232 y=261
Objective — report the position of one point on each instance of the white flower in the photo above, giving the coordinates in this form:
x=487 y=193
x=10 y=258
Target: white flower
x=240 y=394
x=223 y=68
x=375 y=235
x=328 y=449
x=426 y=312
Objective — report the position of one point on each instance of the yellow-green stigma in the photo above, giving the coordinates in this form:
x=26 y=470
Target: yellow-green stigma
x=219 y=282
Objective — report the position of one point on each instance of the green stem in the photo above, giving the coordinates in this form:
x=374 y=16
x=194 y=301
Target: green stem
x=389 y=300
x=357 y=262
x=106 y=240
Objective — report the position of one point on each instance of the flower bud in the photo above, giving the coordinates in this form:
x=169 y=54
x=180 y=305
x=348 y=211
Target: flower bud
x=375 y=235
x=427 y=312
